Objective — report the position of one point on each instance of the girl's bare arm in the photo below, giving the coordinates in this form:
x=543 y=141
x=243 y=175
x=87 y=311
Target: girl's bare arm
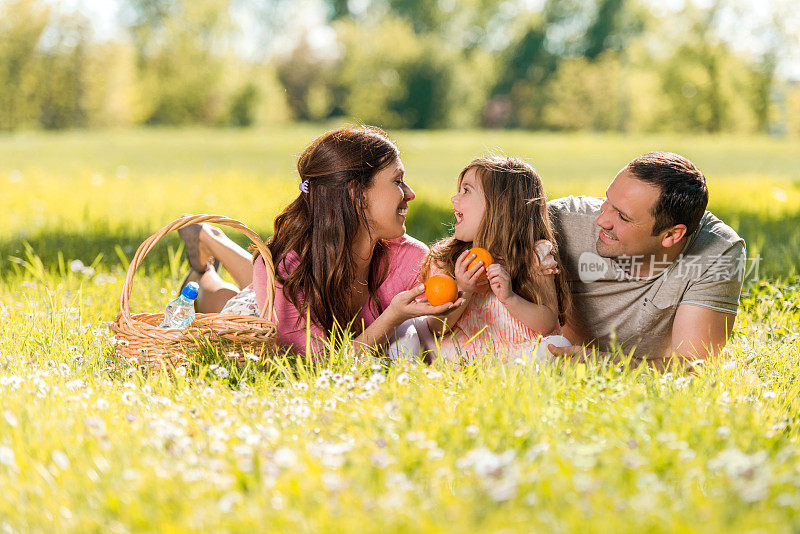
x=541 y=318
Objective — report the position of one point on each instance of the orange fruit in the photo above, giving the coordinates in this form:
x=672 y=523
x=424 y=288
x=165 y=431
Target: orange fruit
x=440 y=289
x=481 y=254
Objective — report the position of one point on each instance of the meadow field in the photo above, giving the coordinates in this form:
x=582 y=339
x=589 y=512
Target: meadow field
x=90 y=445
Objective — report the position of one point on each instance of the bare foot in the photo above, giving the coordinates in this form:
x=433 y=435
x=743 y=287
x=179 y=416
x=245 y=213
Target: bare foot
x=196 y=236
x=204 y=238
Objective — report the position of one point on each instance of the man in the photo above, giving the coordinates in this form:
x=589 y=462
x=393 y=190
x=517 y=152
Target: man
x=652 y=272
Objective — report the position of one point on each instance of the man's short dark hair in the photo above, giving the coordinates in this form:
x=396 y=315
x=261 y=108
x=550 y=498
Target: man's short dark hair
x=684 y=195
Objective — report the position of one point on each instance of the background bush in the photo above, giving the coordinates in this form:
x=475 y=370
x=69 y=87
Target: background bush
x=600 y=65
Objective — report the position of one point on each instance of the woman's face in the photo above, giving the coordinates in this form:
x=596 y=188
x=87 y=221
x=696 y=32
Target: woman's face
x=387 y=202
x=469 y=204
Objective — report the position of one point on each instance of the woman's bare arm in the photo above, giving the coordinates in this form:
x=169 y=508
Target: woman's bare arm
x=404 y=306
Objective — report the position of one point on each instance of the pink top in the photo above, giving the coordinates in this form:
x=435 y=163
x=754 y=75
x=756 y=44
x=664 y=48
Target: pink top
x=404 y=256
x=487 y=324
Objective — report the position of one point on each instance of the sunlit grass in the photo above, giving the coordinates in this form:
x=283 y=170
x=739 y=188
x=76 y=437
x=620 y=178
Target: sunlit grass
x=89 y=444
x=86 y=444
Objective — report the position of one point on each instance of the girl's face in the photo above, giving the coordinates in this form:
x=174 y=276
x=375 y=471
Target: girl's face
x=387 y=202
x=469 y=204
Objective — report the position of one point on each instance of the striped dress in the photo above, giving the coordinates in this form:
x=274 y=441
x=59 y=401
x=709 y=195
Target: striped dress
x=486 y=324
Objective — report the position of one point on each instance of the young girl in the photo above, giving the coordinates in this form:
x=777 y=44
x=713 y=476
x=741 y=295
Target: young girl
x=500 y=206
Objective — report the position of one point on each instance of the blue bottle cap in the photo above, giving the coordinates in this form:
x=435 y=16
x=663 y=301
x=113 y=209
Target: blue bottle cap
x=191 y=290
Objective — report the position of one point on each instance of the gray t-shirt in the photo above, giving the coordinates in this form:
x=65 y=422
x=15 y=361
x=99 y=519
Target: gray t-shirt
x=614 y=308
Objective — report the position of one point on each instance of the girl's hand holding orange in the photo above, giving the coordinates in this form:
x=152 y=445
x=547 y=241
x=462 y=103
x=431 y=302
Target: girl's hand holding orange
x=481 y=254
x=470 y=272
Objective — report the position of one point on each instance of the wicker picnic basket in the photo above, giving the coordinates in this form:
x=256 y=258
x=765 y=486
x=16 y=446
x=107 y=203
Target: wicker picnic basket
x=140 y=341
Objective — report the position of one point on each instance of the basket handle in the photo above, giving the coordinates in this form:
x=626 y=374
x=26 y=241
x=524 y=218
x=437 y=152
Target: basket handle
x=150 y=242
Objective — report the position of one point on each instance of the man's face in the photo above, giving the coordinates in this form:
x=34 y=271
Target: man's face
x=626 y=220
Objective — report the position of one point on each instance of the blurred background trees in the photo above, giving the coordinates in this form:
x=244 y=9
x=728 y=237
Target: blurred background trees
x=604 y=65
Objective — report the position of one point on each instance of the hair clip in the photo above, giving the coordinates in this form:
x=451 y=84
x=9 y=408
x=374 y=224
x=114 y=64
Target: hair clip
x=303 y=186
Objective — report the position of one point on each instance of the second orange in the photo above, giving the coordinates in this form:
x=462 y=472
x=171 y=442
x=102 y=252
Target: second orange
x=481 y=254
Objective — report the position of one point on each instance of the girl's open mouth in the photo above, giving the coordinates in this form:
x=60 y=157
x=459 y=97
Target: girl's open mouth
x=459 y=217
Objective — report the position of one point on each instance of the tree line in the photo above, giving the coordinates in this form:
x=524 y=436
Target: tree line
x=602 y=65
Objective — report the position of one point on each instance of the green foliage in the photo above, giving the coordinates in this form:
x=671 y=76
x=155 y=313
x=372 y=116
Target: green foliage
x=793 y=109
x=111 y=92
x=600 y=36
x=520 y=95
x=174 y=90
x=610 y=65
x=21 y=25
x=587 y=95
x=242 y=106
x=308 y=79
x=698 y=84
x=63 y=70
x=395 y=87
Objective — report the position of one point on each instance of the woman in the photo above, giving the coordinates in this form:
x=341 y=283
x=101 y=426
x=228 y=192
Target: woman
x=340 y=250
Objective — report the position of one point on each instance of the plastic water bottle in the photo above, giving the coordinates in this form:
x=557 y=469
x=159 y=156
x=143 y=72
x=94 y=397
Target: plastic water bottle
x=180 y=312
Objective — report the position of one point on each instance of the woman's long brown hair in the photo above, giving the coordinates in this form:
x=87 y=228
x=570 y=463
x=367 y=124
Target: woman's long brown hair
x=514 y=220
x=319 y=225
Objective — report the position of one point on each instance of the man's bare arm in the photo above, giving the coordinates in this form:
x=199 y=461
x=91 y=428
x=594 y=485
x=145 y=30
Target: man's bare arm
x=697 y=333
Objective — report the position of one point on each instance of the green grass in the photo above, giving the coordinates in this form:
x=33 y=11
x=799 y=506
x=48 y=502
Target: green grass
x=88 y=445
x=86 y=193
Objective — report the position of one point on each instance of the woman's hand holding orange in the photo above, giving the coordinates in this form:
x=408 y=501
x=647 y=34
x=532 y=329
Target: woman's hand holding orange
x=500 y=282
x=405 y=305
x=470 y=278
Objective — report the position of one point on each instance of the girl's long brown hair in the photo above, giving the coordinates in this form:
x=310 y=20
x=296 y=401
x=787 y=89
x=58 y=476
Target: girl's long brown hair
x=514 y=220
x=319 y=225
